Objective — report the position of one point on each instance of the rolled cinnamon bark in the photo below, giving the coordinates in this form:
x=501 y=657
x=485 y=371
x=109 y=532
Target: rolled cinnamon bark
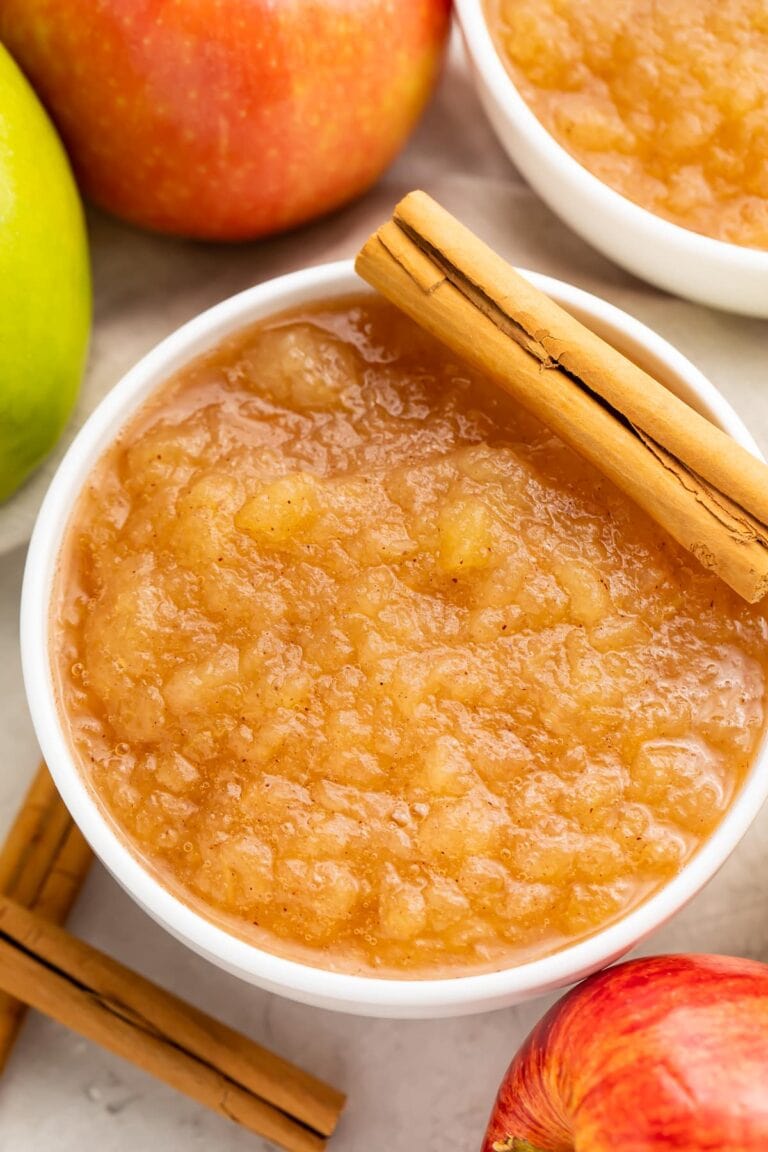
x=707 y=491
x=43 y=863
x=68 y=980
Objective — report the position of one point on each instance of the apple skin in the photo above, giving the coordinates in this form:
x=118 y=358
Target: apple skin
x=665 y=1054
x=45 y=288
x=228 y=119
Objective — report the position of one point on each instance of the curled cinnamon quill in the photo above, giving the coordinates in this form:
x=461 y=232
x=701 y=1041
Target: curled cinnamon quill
x=702 y=487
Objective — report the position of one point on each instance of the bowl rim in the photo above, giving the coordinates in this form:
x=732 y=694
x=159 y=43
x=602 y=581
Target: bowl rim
x=362 y=994
x=482 y=48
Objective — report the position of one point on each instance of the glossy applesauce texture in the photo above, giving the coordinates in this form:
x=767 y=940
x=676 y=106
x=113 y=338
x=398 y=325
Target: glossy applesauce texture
x=371 y=668
x=665 y=102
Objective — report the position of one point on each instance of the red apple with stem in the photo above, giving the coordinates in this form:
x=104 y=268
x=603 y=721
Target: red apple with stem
x=228 y=119
x=655 y=1055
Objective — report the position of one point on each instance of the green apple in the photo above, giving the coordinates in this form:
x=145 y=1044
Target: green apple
x=45 y=296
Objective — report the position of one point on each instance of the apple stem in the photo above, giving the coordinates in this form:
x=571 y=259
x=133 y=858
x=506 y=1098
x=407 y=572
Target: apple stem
x=514 y=1144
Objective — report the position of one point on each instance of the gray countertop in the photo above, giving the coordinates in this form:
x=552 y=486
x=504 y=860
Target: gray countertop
x=426 y=1085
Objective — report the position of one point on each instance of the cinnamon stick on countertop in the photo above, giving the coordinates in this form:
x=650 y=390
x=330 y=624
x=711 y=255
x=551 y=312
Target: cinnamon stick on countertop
x=68 y=980
x=707 y=491
x=43 y=863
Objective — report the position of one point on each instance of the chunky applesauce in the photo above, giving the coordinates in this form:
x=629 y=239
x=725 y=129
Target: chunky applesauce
x=665 y=102
x=372 y=669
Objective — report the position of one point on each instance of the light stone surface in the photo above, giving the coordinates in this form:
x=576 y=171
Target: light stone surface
x=425 y=1085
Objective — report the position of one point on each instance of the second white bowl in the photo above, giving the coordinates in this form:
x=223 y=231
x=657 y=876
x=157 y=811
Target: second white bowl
x=708 y=271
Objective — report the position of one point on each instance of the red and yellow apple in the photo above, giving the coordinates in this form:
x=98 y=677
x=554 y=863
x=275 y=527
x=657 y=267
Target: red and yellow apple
x=655 y=1055
x=228 y=119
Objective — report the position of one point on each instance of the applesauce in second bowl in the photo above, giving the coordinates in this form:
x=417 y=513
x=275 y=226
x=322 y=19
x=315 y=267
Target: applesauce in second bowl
x=665 y=103
x=375 y=672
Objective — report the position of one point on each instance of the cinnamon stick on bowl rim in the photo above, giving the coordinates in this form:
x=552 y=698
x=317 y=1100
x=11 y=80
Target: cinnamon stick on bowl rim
x=696 y=482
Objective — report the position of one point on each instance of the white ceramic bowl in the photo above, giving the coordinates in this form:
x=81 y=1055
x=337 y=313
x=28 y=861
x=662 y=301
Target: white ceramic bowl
x=358 y=994
x=709 y=271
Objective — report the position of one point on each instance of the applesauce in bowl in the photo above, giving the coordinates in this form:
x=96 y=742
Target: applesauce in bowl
x=328 y=972
x=372 y=671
